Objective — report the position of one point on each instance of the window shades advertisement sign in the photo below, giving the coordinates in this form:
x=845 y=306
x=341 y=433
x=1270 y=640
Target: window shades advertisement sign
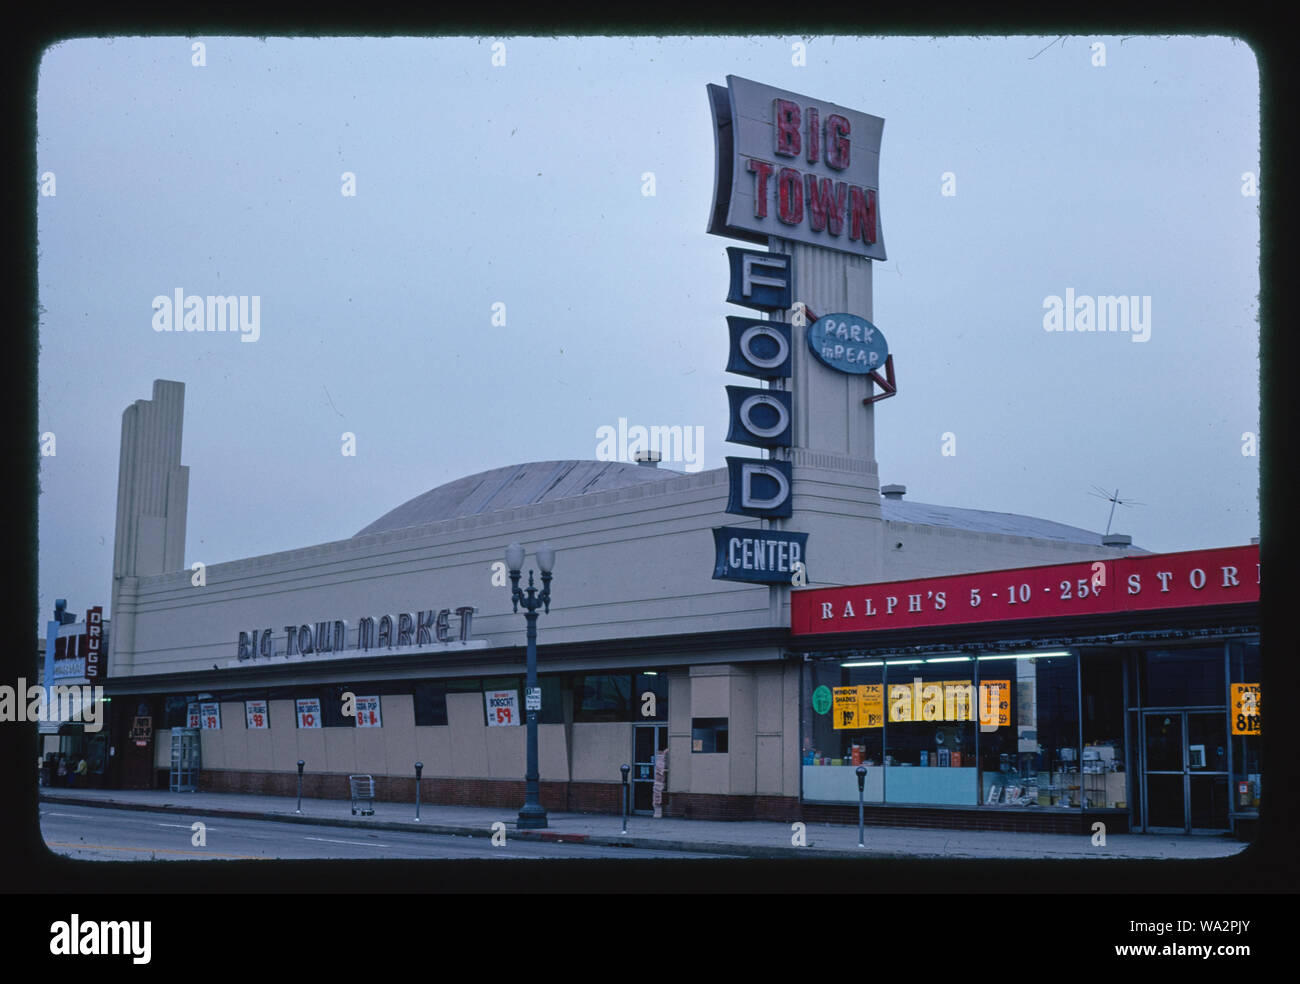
x=255 y=715
x=210 y=715
x=502 y=708
x=1245 y=708
x=795 y=167
x=368 y=713
x=1229 y=575
x=309 y=712
x=859 y=707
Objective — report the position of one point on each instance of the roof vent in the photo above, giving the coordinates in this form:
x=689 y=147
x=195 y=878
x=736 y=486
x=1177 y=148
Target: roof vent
x=650 y=459
x=895 y=492
x=1116 y=540
x=1254 y=541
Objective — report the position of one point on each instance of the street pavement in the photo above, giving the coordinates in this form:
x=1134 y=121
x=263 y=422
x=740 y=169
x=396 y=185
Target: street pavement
x=96 y=833
x=763 y=839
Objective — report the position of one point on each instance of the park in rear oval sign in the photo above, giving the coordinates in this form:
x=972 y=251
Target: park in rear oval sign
x=848 y=343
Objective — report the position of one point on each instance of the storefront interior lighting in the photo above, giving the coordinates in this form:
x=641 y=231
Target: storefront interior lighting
x=950 y=659
x=1047 y=655
x=902 y=662
x=874 y=662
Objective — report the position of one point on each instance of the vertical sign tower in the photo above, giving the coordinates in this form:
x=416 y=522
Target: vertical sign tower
x=800 y=176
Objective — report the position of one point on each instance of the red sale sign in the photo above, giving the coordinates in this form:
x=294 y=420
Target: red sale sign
x=1150 y=582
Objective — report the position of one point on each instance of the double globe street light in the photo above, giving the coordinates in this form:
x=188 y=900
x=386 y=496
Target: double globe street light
x=532 y=816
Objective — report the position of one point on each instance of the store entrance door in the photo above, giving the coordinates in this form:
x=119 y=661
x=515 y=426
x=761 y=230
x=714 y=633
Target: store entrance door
x=647 y=739
x=1185 y=774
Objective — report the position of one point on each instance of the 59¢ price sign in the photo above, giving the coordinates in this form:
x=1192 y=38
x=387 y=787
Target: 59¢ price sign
x=502 y=708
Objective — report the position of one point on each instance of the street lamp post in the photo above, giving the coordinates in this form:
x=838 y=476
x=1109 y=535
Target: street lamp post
x=532 y=816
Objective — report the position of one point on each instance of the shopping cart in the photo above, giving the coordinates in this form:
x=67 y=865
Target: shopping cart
x=363 y=790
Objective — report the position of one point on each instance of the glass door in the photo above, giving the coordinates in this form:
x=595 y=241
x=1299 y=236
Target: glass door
x=647 y=739
x=1185 y=774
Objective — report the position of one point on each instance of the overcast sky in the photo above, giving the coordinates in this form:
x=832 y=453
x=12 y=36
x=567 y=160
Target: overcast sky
x=522 y=184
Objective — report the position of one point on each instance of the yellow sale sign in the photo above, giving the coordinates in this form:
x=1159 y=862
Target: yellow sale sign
x=871 y=705
x=1245 y=708
x=845 y=708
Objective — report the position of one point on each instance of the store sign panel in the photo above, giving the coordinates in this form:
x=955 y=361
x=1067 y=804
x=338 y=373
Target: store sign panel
x=760 y=280
x=1151 y=582
x=795 y=167
x=759 y=417
x=759 y=348
x=95 y=645
x=1244 y=709
x=329 y=638
x=758 y=487
x=758 y=556
x=848 y=343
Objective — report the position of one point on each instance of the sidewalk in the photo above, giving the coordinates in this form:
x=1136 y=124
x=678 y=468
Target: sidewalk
x=754 y=839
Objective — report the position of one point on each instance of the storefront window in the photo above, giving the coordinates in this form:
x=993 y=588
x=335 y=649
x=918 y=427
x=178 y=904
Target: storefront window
x=1029 y=734
x=843 y=728
x=930 y=710
x=430 y=703
x=1183 y=677
x=708 y=735
x=602 y=698
x=1246 y=728
x=1104 y=768
x=651 y=697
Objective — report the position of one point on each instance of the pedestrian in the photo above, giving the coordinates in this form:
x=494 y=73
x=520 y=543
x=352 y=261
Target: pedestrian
x=62 y=771
x=81 y=773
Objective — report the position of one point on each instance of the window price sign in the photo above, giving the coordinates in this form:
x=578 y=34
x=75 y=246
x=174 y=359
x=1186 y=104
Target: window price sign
x=255 y=714
x=1245 y=708
x=859 y=707
x=502 y=708
x=210 y=714
x=309 y=712
x=368 y=713
x=193 y=719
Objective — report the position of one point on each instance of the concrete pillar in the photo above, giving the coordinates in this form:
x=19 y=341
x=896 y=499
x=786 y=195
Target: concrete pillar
x=836 y=484
x=152 y=499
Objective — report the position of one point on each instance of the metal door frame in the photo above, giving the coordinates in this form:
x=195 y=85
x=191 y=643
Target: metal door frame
x=1186 y=828
x=631 y=808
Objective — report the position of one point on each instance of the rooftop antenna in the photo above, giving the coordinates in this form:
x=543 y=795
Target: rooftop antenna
x=1114 y=501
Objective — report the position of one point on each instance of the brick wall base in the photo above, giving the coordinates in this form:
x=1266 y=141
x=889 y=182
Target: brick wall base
x=1027 y=822
x=606 y=797
x=710 y=806
x=568 y=797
